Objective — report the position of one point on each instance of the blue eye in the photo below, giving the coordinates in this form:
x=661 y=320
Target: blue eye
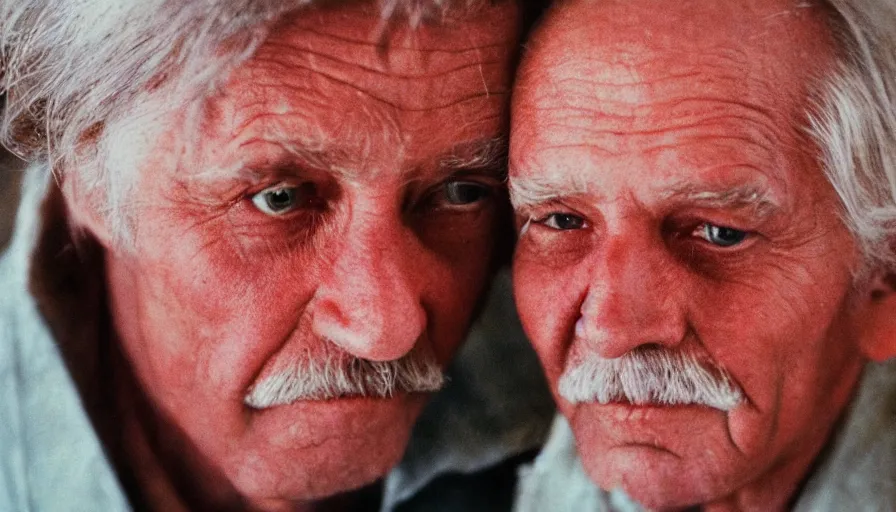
x=720 y=235
x=282 y=199
x=563 y=221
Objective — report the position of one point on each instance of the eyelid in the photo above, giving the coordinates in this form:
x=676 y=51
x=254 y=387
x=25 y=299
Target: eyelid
x=485 y=179
x=553 y=216
x=525 y=227
x=306 y=200
x=496 y=173
x=252 y=192
x=435 y=195
x=482 y=177
x=539 y=210
x=747 y=241
x=258 y=201
x=271 y=184
x=547 y=211
x=277 y=186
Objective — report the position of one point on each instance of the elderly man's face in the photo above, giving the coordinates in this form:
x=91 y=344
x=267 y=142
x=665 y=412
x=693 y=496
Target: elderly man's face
x=339 y=212
x=681 y=268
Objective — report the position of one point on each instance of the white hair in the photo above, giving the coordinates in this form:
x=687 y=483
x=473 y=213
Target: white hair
x=650 y=375
x=73 y=70
x=854 y=125
x=336 y=374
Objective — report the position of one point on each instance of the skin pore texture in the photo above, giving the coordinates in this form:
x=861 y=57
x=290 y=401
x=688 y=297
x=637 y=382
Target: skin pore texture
x=667 y=198
x=374 y=249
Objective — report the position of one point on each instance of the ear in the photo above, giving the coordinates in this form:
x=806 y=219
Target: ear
x=876 y=318
x=85 y=207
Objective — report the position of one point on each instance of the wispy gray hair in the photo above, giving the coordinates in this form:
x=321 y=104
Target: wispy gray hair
x=73 y=69
x=854 y=125
x=336 y=374
x=650 y=375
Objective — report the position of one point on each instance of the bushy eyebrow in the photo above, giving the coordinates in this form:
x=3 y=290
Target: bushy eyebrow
x=531 y=191
x=480 y=153
x=755 y=197
x=488 y=155
x=294 y=159
x=290 y=159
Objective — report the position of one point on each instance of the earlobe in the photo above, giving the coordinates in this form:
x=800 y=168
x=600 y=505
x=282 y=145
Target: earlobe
x=877 y=321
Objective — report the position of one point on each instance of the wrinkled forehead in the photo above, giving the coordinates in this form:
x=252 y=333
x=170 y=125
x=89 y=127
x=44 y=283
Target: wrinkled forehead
x=374 y=85
x=619 y=55
x=386 y=58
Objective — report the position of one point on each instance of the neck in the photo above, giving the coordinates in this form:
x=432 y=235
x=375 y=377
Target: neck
x=164 y=470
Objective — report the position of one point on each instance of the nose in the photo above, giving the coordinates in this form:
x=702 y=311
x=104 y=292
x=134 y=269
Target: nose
x=370 y=303
x=637 y=296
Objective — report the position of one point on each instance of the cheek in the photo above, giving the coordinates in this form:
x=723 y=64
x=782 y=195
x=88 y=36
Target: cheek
x=777 y=333
x=548 y=301
x=219 y=314
x=458 y=260
x=767 y=326
x=452 y=298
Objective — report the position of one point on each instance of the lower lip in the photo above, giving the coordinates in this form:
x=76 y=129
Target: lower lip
x=312 y=423
x=324 y=411
x=352 y=404
x=625 y=411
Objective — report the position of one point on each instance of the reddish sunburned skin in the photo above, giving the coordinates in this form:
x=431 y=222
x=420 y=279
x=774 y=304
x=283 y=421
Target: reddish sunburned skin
x=631 y=116
x=373 y=260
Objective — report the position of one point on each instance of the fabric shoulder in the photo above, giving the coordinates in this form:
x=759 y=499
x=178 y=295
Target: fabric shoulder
x=495 y=407
x=50 y=456
x=557 y=481
x=858 y=469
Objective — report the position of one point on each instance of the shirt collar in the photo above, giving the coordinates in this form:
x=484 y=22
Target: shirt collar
x=496 y=404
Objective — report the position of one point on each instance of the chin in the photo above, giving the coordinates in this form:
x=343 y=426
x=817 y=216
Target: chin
x=653 y=454
x=654 y=478
x=302 y=481
x=308 y=451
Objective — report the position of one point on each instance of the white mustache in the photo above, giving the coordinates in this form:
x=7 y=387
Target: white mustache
x=337 y=374
x=651 y=376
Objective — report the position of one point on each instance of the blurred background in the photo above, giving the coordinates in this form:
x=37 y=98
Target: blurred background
x=10 y=174
x=10 y=177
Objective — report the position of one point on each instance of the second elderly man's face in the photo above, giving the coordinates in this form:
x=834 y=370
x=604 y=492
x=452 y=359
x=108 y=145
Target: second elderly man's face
x=339 y=211
x=681 y=268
